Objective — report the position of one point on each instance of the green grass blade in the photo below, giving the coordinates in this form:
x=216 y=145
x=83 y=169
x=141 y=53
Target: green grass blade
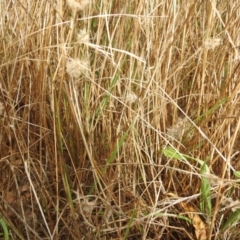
x=59 y=125
x=211 y=110
x=5 y=229
x=115 y=150
x=68 y=191
x=130 y=224
x=163 y=214
x=205 y=192
x=103 y=104
x=233 y=219
x=113 y=155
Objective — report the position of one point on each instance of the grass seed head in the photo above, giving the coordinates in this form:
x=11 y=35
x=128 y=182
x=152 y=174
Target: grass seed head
x=77 y=5
x=83 y=36
x=131 y=97
x=212 y=43
x=76 y=67
x=177 y=131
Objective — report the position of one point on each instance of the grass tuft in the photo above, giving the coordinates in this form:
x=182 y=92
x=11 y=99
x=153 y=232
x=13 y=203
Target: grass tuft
x=119 y=120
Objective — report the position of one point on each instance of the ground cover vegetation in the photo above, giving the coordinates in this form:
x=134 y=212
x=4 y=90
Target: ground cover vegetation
x=119 y=119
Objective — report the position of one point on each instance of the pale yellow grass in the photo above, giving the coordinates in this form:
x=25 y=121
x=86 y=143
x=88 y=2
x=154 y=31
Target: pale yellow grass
x=91 y=95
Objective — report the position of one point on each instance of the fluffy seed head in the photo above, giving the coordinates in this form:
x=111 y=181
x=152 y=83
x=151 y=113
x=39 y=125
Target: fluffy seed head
x=212 y=43
x=179 y=129
x=76 y=67
x=77 y=5
x=131 y=97
x=83 y=36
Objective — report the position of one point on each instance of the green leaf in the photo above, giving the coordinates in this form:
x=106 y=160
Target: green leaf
x=172 y=153
x=237 y=174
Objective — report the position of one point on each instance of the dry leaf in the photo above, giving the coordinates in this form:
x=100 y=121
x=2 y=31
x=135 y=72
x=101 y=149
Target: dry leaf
x=198 y=224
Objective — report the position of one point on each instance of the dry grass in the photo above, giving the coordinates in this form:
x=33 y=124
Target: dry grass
x=92 y=103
